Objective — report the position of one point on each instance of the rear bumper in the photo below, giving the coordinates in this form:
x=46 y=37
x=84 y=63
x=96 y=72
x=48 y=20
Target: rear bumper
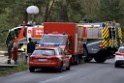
x=44 y=65
x=119 y=62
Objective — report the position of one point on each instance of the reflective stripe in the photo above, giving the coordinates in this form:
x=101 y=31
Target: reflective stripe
x=105 y=36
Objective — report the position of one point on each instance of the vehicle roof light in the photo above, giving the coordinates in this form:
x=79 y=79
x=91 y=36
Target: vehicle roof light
x=56 y=44
x=41 y=44
x=46 y=32
x=63 y=33
x=19 y=25
x=122 y=44
x=102 y=25
x=55 y=32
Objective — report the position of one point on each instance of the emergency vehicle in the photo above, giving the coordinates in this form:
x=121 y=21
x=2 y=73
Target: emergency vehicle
x=101 y=40
x=66 y=35
x=22 y=33
x=84 y=41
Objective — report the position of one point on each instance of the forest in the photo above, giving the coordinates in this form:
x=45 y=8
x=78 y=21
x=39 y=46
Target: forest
x=13 y=12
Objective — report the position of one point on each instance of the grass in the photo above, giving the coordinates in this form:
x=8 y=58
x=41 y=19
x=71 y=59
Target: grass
x=9 y=71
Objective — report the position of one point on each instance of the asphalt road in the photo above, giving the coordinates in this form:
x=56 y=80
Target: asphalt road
x=84 y=73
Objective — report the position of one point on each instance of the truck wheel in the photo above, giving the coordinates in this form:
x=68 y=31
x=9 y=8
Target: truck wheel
x=88 y=58
x=99 y=58
x=31 y=69
x=77 y=60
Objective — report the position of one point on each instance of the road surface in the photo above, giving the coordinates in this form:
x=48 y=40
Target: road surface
x=84 y=73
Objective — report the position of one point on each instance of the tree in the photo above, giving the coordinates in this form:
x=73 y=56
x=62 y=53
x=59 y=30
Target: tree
x=110 y=10
x=66 y=10
x=91 y=9
x=48 y=9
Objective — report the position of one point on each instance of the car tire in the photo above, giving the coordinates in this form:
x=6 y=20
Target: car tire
x=60 y=68
x=31 y=69
x=116 y=65
x=68 y=68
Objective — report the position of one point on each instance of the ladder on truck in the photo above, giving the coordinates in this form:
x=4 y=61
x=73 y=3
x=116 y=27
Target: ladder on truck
x=114 y=34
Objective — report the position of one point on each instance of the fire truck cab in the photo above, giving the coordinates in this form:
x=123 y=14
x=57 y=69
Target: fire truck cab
x=22 y=33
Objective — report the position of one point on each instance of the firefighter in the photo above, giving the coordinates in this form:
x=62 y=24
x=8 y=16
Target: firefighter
x=10 y=46
x=15 y=52
x=30 y=47
x=24 y=48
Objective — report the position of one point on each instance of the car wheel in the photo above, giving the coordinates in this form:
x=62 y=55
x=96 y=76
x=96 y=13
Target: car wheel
x=116 y=65
x=60 y=68
x=31 y=69
x=69 y=66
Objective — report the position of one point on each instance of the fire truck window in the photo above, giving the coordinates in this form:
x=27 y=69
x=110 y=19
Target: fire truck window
x=54 y=40
x=60 y=50
x=17 y=31
x=10 y=37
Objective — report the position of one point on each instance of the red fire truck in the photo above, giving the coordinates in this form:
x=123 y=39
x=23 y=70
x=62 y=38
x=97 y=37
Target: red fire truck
x=84 y=41
x=67 y=35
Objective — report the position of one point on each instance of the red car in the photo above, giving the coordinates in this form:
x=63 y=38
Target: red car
x=49 y=57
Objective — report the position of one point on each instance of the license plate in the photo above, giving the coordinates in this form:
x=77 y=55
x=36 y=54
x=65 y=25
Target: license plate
x=42 y=60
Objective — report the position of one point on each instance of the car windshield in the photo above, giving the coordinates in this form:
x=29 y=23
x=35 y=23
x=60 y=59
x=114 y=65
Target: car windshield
x=53 y=40
x=121 y=49
x=48 y=52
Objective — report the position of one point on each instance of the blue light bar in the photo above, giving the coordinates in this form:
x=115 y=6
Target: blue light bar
x=102 y=25
x=41 y=44
x=56 y=44
x=63 y=33
x=46 y=32
x=123 y=44
x=19 y=25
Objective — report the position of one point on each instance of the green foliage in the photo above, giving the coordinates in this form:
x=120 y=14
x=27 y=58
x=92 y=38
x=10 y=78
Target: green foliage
x=8 y=71
x=66 y=10
x=109 y=10
x=13 y=12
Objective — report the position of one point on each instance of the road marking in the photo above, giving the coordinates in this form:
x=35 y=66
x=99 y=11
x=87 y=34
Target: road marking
x=58 y=78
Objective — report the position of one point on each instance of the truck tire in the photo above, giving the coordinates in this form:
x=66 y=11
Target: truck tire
x=78 y=60
x=88 y=58
x=99 y=58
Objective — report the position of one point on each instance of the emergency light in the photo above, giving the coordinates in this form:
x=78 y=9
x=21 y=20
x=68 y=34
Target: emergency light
x=55 y=32
x=56 y=44
x=46 y=32
x=123 y=44
x=41 y=44
x=102 y=25
x=63 y=33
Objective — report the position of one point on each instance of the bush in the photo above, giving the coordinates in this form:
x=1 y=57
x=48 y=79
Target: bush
x=8 y=71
